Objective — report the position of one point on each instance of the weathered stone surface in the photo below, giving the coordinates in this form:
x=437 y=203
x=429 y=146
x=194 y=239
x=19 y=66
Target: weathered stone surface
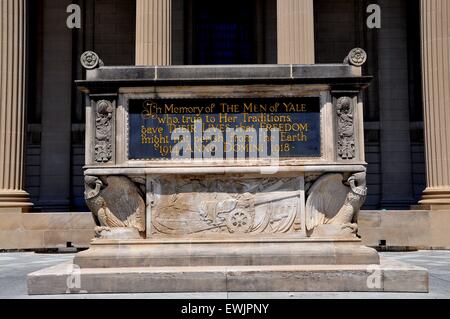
x=440 y=229
x=45 y=230
x=399 y=228
x=59 y=238
x=21 y=239
x=11 y=221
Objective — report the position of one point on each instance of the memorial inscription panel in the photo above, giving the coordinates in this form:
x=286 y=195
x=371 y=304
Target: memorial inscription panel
x=152 y=122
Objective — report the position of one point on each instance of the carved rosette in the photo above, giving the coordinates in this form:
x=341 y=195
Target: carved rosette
x=345 y=128
x=356 y=57
x=90 y=60
x=103 y=131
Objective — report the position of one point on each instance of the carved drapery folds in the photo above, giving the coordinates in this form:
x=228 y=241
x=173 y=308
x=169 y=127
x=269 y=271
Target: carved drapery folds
x=117 y=204
x=333 y=204
x=345 y=128
x=103 y=131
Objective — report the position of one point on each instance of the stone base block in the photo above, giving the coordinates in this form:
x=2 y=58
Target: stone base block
x=44 y=230
x=243 y=252
x=388 y=276
x=412 y=229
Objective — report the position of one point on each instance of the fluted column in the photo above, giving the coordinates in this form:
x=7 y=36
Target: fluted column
x=436 y=91
x=153 y=32
x=12 y=103
x=295 y=25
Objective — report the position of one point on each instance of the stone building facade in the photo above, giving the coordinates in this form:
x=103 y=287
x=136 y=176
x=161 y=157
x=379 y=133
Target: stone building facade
x=42 y=113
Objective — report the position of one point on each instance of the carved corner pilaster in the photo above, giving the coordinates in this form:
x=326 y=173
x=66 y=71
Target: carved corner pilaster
x=346 y=141
x=103 y=131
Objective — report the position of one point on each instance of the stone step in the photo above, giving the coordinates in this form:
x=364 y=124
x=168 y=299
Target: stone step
x=114 y=254
x=389 y=276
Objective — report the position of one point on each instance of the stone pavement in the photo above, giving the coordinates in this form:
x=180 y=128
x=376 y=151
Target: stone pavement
x=15 y=266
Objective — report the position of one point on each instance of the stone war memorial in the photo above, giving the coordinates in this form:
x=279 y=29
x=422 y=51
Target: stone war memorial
x=234 y=178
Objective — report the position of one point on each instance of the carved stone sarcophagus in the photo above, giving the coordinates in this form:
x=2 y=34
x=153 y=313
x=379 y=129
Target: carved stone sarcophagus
x=225 y=153
x=226 y=178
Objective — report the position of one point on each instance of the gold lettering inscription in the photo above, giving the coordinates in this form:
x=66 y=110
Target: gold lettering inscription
x=247 y=117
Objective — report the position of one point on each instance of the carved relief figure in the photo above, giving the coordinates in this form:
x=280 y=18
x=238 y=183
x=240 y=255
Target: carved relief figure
x=103 y=131
x=116 y=202
x=346 y=130
x=333 y=204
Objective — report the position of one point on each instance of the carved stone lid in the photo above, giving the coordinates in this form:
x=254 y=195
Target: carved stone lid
x=133 y=76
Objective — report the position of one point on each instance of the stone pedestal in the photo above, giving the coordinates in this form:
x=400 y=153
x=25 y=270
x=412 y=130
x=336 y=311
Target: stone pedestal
x=436 y=81
x=12 y=104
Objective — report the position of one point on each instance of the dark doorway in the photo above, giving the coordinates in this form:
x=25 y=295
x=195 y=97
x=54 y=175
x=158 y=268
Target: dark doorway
x=224 y=32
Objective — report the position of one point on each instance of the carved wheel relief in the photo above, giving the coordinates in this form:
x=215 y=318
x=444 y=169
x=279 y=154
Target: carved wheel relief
x=239 y=222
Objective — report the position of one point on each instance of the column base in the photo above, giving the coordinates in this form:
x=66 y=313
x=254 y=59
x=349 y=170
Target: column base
x=15 y=199
x=435 y=199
